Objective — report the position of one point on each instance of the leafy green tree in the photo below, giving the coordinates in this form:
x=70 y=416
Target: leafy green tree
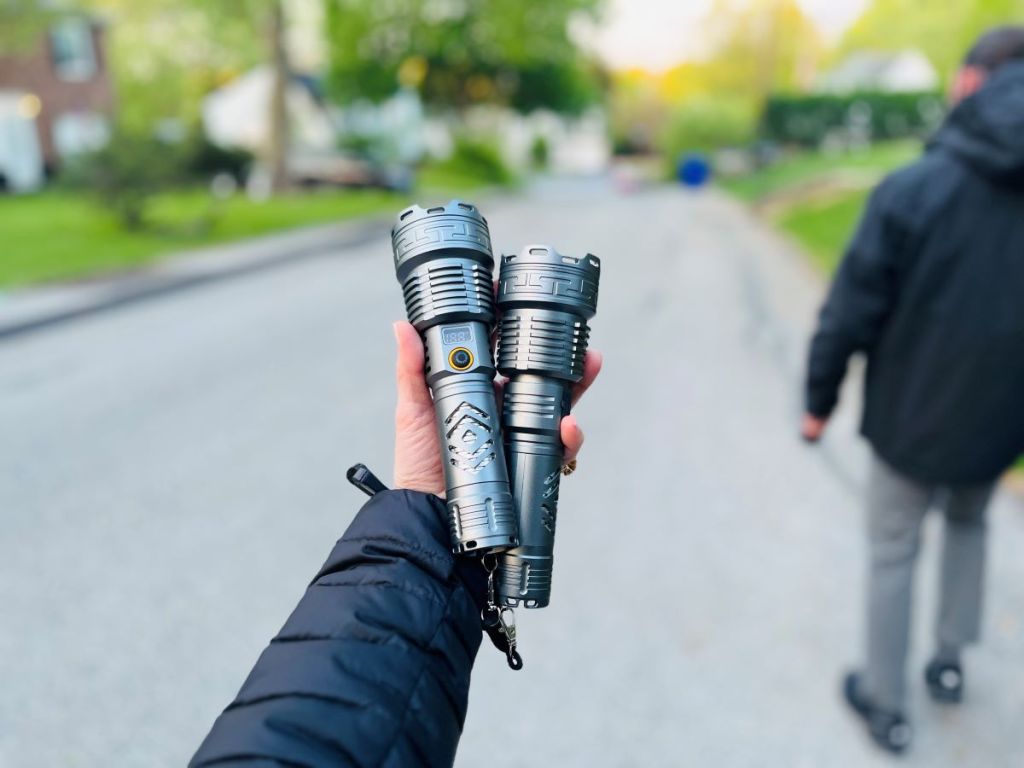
x=759 y=47
x=169 y=53
x=461 y=52
x=943 y=29
x=708 y=124
x=21 y=23
x=754 y=48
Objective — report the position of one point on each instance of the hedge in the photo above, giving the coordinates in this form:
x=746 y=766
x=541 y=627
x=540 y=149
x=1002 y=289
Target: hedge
x=810 y=120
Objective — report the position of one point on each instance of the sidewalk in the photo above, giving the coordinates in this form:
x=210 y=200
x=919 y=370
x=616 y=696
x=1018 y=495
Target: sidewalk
x=27 y=309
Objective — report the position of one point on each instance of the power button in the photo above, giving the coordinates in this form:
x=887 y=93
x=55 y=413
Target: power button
x=460 y=359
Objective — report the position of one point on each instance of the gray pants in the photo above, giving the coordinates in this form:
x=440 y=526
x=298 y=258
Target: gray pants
x=897 y=506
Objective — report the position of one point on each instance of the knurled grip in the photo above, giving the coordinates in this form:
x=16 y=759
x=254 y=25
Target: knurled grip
x=448 y=289
x=443 y=262
x=542 y=341
x=532 y=415
x=481 y=513
x=544 y=301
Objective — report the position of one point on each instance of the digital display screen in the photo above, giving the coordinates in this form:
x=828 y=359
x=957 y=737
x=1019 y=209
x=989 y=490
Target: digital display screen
x=457 y=334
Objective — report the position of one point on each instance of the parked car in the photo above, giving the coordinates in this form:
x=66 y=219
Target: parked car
x=347 y=169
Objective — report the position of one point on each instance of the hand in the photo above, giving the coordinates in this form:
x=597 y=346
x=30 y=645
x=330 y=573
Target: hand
x=417 y=451
x=812 y=427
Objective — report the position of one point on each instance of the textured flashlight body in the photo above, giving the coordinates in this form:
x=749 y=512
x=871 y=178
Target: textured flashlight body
x=544 y=300
x=444 y=263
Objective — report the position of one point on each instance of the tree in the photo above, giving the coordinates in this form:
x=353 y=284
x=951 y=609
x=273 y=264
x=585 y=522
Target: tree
x=760 y=47
x=21 y=23
x=169 y=53
x=943 y=29
x=461 y=52
x=754 y=48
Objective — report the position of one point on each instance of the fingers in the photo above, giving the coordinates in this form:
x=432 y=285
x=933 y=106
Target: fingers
x=572 y=437
x=499 y=389
x=812 y=428
x=412 y=384
x=591 y=367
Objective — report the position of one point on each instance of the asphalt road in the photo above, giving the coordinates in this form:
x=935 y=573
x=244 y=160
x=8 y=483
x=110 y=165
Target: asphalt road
x=172 y=474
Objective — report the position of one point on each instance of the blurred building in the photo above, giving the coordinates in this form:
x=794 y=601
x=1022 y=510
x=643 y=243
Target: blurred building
x=907 y=71
x=397 y=124
x=575 y=145
x=238 y=113
x=63 y=84
x=399 y=129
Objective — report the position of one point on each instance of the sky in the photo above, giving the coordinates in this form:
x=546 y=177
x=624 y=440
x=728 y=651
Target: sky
x=657 y=34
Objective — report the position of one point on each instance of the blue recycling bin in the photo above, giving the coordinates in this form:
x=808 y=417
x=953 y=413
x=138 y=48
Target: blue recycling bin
x=693 y=170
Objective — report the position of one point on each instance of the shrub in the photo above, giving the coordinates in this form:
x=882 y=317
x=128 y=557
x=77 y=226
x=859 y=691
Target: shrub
x=478 y=159
x=204 y=159
x=705 y=125
x=869 y=116
x=133 y=167
x=540 y=153
x=127 y=172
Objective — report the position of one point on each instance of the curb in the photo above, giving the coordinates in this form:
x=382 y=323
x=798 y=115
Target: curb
x=35 y=309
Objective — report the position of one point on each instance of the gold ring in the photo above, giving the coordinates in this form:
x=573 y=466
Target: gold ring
x=569 y=467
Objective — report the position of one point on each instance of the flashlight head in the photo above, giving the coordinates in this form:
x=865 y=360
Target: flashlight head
x=539 y=277
x=545 y=299
x=443 y=260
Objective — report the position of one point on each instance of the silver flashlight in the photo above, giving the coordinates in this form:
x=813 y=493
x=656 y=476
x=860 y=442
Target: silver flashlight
x=545 y=300
x=443 y=261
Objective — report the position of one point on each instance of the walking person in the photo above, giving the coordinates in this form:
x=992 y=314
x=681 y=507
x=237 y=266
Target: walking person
x=932 y=290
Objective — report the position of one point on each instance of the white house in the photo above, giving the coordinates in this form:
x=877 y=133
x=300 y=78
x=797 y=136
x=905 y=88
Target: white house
x=400 y=120
x=902 y=72
x=238 y=114
x=575 y=145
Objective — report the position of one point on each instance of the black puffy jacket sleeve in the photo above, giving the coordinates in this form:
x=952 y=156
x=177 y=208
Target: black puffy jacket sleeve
x=862 y=295
x=373 y=666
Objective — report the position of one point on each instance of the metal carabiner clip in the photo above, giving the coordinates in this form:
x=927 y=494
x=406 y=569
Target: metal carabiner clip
x=508 y=629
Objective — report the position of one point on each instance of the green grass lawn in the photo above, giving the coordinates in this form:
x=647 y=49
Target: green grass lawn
x=818 y=198
x=447 y=180
x=59 y=235
x=824 y=227
x=804 y=167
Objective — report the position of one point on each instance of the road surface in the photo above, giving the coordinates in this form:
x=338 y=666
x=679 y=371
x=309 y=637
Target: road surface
x=172 y=475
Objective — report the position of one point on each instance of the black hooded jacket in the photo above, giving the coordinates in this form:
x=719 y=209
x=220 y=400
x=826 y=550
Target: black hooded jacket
x=372 y=669
x=932 y=290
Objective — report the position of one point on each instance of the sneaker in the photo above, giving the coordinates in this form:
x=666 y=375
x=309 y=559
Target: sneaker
x=945 y=681
x=889 y=730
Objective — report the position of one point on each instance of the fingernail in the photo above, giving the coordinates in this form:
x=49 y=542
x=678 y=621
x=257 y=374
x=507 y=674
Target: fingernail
x=394 y=329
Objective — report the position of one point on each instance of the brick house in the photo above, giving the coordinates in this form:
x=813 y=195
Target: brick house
x=68 y=71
